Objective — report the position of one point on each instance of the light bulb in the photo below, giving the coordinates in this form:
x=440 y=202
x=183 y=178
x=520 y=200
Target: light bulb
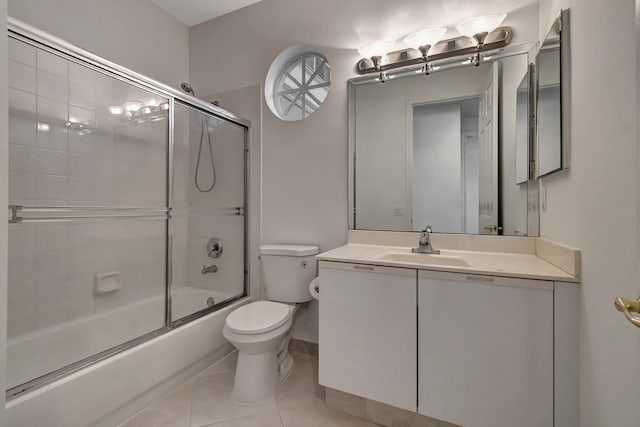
x=481 y=24
x=116 y=110
x=378 y=48
x=424 y=37
x=132 y=106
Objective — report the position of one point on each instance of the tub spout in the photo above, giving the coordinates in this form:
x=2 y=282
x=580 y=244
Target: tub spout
x=209 y=269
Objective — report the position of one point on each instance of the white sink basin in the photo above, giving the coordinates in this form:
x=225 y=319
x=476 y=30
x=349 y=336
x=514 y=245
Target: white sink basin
x=425 y=259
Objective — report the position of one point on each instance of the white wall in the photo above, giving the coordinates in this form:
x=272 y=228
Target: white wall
x=4 y=197
x=304 y=179
x=437 y=175
x=594 y=204
x=135 y=34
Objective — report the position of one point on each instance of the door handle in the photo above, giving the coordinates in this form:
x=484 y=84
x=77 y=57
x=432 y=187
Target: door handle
x=628 y=306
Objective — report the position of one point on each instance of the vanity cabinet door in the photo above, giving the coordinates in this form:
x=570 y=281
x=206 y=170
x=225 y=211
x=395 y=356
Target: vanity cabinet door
x=485 y=350
x=368 y=332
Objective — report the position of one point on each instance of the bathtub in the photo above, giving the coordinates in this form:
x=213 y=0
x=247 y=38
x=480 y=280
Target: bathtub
x=111 y=390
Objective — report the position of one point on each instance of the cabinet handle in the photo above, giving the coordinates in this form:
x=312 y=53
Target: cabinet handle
x=363 y=267
x=480 y=278
x=627 y=306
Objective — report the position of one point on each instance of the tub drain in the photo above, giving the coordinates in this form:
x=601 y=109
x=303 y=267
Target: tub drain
x=210 y=302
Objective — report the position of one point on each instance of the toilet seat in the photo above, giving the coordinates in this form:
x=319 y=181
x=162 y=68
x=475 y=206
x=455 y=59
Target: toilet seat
x=258 y=317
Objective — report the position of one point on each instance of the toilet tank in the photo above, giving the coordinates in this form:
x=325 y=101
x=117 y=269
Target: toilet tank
x=287 y=271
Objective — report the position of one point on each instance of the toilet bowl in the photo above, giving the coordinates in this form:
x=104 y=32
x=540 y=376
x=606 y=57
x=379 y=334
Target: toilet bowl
x=261 y=330
x=256 y=330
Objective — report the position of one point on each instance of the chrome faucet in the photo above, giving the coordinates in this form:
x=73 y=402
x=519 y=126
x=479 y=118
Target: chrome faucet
x=424 y=244
x=209 y=269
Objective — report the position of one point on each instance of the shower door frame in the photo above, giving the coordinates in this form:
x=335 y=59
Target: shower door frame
x=39 y=39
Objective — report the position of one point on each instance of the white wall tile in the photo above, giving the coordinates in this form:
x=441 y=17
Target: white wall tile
x=82 y=189
x=49 y=110
x=81 y=143
x=52 y=162
x=22 y=238
x=105 y=167
x=22 y=158
x=51 y=187
x=53 y=64
x=81 y=262
x=81 y=235
x=21 y=267
x=105 y=193
x=22 y=131
x=22 y=52
x=53 y=86
x=82 y=75
x=55 y=138
x=51 y=237
x=103 y=144
x=82 y=96
x=22 y=77
x=82 y=115
x=52 y=264
x=22 y=101
x=22 y=186
x=81 y=165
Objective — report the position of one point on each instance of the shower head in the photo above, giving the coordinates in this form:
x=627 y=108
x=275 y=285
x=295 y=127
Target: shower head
x=186 y=87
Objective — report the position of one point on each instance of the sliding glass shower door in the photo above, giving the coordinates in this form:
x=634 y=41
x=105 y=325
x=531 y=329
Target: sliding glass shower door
x=208 y=211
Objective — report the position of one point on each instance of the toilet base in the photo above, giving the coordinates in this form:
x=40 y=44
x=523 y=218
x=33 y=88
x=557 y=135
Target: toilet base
x=285 y=367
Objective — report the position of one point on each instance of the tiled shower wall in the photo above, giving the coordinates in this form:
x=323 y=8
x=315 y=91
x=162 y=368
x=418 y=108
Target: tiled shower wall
x=66 y=150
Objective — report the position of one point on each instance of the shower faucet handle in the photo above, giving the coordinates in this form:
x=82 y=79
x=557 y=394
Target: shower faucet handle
x=214 y=247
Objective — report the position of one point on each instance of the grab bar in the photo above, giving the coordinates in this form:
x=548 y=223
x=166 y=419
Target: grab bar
x=126 y=212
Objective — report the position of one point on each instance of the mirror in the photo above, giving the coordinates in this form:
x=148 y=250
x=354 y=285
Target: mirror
x=523 y=131
x=549 y=101
x=441 y=149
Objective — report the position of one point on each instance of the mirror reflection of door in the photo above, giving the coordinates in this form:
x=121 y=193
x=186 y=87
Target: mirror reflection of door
x=445 y=166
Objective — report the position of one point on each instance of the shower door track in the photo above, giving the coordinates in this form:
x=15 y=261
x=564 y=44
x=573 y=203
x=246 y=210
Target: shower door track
x=42 y=40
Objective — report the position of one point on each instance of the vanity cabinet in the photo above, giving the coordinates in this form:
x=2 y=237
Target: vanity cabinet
x=485 y=350
x=473 y=350
x=367 y=331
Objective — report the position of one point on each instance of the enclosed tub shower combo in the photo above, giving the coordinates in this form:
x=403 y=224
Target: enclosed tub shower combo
x=127 y=211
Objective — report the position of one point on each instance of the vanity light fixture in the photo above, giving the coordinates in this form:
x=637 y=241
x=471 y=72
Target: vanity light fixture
x=422 y=41
x=478 y=28
x=376 y=52
x=479 y=34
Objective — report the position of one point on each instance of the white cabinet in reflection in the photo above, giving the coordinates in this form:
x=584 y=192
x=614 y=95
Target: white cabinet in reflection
x=368 y=332
x=485 y=350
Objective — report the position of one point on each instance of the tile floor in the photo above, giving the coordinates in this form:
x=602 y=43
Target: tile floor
x=206 y=401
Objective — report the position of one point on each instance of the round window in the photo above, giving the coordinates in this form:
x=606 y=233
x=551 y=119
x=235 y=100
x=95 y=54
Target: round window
x=298 y=82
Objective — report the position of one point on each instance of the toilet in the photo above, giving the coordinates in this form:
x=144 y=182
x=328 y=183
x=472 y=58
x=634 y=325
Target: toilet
x=261 y=330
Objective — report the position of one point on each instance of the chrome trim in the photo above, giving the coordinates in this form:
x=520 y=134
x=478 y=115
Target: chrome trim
x=170 y=226
x=245 y=212
x=59 y=374
x=17 y=213
x=24 y=30
x=71 y=218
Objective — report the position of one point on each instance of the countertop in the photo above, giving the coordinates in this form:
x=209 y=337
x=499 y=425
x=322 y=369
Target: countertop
x=527 y=266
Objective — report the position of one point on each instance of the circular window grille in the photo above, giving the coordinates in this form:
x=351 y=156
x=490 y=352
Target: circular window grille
x=297 y=89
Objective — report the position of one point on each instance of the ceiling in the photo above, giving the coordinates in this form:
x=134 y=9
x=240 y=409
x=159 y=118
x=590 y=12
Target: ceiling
x=194 y=12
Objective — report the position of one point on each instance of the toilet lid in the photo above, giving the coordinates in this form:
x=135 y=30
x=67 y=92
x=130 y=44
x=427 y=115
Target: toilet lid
x=258 y=317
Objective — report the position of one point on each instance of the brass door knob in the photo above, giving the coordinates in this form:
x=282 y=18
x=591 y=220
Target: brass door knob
x=628 y=306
